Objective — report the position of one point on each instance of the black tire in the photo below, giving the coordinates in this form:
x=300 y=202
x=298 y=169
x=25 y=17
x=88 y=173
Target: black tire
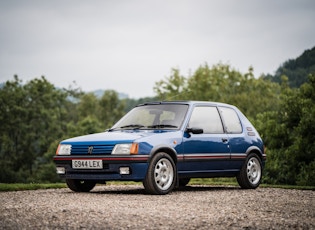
x=80 y=185
x=251 y=172
x=161 y=175
x=182 y=182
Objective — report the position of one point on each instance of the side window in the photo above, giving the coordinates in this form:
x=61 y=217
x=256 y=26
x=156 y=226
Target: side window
x=206 y=118
x=231 y=120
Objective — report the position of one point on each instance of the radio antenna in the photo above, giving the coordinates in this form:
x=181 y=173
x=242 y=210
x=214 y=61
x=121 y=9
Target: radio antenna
x=176 y=95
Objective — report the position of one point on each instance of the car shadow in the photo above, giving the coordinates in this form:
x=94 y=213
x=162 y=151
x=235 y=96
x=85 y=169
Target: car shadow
x=139 y=190
x=192 y=188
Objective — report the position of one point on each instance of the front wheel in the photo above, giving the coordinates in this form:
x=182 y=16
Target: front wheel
x=251 y=172
x=161 y=175
x=80 y=185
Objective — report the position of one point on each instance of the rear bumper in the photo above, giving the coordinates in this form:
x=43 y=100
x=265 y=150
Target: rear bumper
x=137 y=164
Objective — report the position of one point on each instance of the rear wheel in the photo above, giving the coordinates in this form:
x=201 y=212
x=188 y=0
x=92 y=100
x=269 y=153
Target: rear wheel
x=251 y=172
x=161 y=175
x=80 y=185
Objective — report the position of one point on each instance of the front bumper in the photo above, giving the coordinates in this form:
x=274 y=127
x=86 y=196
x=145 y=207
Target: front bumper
x=137 y=164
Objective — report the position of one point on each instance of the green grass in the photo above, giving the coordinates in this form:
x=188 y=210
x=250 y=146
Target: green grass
x=299 y=187
x=196 y=181
x=31 y=186
x=233 y=182
x=213 y=181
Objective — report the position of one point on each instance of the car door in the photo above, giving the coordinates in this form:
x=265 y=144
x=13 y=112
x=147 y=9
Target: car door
x=207 y=151
x=237 y=138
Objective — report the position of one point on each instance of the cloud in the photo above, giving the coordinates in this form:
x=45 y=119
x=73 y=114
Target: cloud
x=129 y=45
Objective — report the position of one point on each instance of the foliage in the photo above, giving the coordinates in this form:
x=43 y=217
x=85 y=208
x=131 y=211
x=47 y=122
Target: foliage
x=289 y=135
x=30 y=114
x=29 y=186
x=35 y=116
x=285 y=117
x=172 y=88
x=111 y=108
x=296 y=70
x=223 y=84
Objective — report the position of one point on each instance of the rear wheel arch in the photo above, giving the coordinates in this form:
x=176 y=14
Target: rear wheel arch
x=256 y=150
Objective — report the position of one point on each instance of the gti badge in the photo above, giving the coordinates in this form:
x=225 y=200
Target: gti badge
x=90 y=149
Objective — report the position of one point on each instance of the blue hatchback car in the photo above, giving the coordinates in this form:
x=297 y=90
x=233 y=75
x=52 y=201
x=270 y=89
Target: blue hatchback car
x=164 y=145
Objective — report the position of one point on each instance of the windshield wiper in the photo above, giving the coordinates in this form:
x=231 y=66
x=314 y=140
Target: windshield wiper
x=133 y=126
x=138 y=126
x=162 y=126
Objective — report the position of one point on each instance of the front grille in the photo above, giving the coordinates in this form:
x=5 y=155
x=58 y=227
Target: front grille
x=97 y=149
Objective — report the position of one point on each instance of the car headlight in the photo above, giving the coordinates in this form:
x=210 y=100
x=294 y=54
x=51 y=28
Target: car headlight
x=125 y=149
x=63 y=149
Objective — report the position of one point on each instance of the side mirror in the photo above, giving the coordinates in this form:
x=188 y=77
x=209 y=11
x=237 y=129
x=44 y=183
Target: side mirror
x=194 y=130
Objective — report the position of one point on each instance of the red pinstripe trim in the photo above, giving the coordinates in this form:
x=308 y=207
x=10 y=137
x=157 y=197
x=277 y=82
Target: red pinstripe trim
x=243 y=156
x=206 y=156
x=113 y=158
x=213 y=156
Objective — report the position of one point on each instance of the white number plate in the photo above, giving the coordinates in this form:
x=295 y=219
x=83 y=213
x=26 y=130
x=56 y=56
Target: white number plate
x=87 y=164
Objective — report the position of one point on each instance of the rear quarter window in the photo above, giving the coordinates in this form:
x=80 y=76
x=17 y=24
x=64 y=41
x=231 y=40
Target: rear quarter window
x=231 y=120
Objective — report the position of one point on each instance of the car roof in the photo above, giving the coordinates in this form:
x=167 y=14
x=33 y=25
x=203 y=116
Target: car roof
x=186 y=102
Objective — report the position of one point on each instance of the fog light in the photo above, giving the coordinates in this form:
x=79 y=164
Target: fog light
x=124 y=170
x=60 y=170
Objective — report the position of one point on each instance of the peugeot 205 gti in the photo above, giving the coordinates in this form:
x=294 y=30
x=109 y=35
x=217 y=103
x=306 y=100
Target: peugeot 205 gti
x=164 y=145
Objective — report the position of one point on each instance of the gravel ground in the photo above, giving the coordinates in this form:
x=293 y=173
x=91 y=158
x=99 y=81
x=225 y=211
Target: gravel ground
x=128 y=207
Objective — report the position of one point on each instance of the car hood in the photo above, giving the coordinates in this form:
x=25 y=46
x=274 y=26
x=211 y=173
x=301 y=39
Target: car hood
x=112 y=137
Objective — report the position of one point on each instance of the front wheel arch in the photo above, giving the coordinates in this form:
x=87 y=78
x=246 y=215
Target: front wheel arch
x=166 y=149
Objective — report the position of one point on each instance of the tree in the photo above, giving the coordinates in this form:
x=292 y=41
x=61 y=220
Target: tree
x=223 y=84
x=297 y=70
x=172 y=87
x=88 y=106
x=12 y=100
x=284 y=117
x=288 y=134
x=303 y=149
x=33 y=115
x=111 y=108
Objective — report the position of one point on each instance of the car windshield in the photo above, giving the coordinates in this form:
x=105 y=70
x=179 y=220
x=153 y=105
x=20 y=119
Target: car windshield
x=153 y=116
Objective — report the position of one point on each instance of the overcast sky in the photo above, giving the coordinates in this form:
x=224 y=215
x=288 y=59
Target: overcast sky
x=129 y=45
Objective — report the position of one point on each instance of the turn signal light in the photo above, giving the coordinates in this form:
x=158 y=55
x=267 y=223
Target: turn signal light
x=134 y=148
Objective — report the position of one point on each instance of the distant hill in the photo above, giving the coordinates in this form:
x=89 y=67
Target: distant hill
x=99 y=93
x=297 y=69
